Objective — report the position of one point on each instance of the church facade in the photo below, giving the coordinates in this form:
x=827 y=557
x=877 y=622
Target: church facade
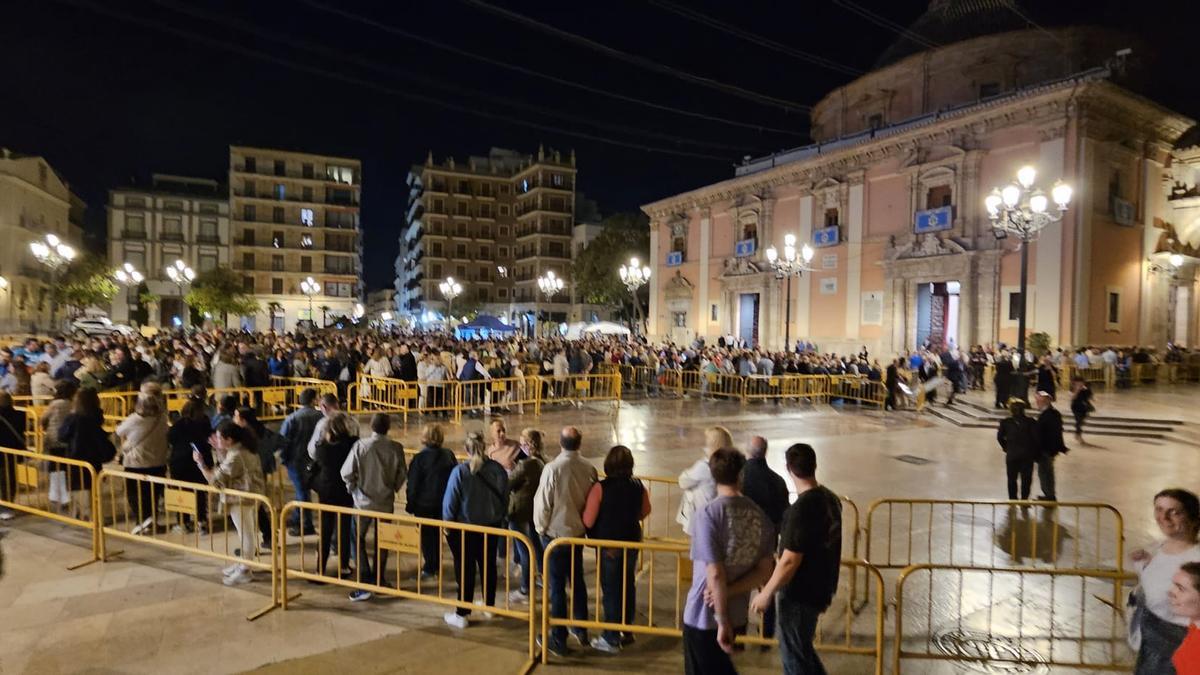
x=891 y=198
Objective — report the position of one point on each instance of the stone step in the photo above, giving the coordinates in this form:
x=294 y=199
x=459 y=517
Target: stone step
x=968 y=422
x=1091 y=418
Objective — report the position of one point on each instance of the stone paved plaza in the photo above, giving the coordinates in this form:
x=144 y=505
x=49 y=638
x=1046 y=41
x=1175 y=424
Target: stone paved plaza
x=154 y=611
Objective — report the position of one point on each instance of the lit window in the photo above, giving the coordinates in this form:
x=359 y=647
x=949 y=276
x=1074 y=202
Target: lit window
x=306 y=217
x=557 y=179
x=306 y=241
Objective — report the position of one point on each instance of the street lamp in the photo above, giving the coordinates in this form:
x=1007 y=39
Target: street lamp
x=182 y=275
x=310 y=287
x=634 y=276
x=55 y=255
x=550 y=284
x=450 y=289
x=127 y=275
x=1023 y=210
x=787 y=266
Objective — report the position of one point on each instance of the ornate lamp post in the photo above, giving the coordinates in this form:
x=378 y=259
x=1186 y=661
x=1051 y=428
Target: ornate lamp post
x=1023 y=210
x=127 y=275
x=55 y=255
x=182 y=275
x=310 y=287
x=450 y=289
x=787 y=266
x=549 y=284
x=634 y=276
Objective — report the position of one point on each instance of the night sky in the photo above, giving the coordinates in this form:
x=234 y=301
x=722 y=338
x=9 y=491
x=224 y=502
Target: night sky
x=111 y=91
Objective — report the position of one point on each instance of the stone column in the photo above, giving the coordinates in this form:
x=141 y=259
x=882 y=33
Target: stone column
x=803 y=290
x=702 y=324
x=653 y=326
x=854 y=238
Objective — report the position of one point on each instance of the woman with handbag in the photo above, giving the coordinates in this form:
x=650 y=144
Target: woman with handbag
x=144 y=450
x=82 y=434
x=326 y=480
x=1161 y=631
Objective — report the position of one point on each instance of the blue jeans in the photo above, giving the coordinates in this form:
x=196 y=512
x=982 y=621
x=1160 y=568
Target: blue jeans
x=618 y=583
x=797 y=623
x=521 y=552
x=562 y=561
x=296 y=476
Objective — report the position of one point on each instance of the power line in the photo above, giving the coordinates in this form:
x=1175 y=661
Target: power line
x=422 y=98
x=364 y=63
x=1012 y=7
x=887 y=23
x=640 y=61
x=717 y=24
x=533 y=73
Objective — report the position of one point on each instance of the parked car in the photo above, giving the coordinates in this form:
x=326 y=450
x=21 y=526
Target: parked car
x=93 y=326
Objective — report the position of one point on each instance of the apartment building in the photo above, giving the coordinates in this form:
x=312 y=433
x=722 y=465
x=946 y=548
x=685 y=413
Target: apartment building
x=151 y=227
x=296 y=215
x=495 y=224
x=34 y=201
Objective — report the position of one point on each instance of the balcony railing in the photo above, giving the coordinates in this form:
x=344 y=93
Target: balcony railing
x=208 y=239
x=172 y=236
x=133 y=234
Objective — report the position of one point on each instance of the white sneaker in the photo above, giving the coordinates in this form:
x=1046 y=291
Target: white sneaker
x=143 y=526
x=602 y=645
x=6 y=514
x=455 y=621
x=242 y=575
x=231 y=569
x=517 y=597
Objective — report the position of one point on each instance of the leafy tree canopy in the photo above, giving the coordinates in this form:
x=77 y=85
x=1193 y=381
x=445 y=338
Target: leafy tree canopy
x=219 y=292
x=87 y=281
x=624 y=236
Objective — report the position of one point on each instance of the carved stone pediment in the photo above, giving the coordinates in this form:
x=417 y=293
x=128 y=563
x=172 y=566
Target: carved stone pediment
x=740 y=267
x=678 y=288
x=924 y=246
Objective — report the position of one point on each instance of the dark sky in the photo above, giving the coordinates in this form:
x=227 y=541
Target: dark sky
x=113 y=90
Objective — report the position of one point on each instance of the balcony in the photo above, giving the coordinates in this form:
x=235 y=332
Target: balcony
x=171 y=236
x=133 y=234
x=208 y=239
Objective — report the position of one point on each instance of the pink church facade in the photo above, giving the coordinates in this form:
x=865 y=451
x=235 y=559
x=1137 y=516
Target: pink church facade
x=891 y=198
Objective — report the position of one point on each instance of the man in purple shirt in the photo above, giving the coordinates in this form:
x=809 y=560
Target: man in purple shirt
x=732 y=544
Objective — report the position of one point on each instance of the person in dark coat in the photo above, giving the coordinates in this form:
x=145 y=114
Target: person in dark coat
x=427 y=477
x=1018 y=437
x=1050 y=444
x=892 y=382
x=1081 y=404
x=1047 y=378
x=1001 y=378
x=405 y=365
x=83 y=435
x=330 y=454
x=769 y=490
x=191 y=431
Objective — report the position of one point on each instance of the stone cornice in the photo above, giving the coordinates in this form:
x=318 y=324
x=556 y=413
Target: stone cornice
x=1104 y=102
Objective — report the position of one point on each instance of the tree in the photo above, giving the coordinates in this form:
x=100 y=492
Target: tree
x=87 y=281
x=219 y=291
x=624 y=236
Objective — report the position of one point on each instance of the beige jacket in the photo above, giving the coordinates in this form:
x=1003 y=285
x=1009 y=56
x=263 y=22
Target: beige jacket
x=239 y=470
x=562 y=494
x=143 y=441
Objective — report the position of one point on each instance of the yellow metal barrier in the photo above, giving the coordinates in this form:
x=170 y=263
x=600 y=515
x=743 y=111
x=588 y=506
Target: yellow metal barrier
x=994 y=534
x=654 y=578
x=1005 y=618
x=712 y=385
x=1142 y=373
x=410 y=538
x=581 y=388
x=128 y=504
x=1092 y=375
x=55 y=488
x=857 y=388
x=500 y=394
x=764 y=387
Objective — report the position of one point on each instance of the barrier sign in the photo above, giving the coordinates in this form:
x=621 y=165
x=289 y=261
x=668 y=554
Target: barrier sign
x=180 y=501
x=27 y=475
x=399 y=538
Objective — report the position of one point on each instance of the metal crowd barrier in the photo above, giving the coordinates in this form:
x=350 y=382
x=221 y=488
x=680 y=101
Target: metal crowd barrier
x=472 y=548
x=580 y=388
x=1104 y=375
x=1142 y=373
x=191 y=518
x=1011 y=620
x=55 y=488
x=497 y=394
x=857 y=388
x=651 y=580
x=712 y=385
x=994 y=534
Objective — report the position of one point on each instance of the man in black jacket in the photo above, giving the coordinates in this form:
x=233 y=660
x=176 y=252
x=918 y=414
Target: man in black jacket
x=1002 y=377
x=1018 y=437
x=1049 y=444
x=892 y=382
x=767 y=489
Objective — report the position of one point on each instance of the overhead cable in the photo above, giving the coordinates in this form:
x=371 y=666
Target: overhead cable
x=308 y=45
x=640 y=61
x=393 y=91
x=430 y=42
x=717 y=24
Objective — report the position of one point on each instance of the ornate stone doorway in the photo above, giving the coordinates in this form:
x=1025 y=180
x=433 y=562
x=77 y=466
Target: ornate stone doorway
x=927 y=264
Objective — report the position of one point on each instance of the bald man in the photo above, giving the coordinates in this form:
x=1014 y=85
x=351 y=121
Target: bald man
x=769 y=490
